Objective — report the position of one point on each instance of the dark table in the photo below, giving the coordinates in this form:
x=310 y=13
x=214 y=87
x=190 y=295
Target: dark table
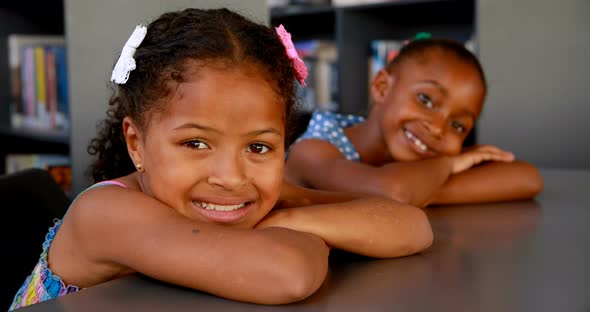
x=517 y=256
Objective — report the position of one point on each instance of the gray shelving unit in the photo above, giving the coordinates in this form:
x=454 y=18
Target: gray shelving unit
x=354 y=27
x=534 y=53
x=26 y=17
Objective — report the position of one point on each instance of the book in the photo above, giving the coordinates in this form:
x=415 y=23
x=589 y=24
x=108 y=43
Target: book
x=381 y=53
x=33 y=92
x=321 y=59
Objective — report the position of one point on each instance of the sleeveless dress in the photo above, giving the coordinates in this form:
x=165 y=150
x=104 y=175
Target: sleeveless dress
x=330 y=127
x=42 y=284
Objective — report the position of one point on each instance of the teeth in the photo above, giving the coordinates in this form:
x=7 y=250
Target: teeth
x=215 y=207
x=416 y=141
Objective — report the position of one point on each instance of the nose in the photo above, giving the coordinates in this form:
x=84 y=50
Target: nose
x=227 y=172
x=436 y=125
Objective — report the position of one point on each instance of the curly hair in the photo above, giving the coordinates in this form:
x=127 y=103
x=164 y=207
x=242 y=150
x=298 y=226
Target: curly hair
x=420 y=47
x=172 y=41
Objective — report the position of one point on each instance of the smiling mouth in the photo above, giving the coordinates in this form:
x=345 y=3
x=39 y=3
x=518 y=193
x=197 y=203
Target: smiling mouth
x=217 y=207
x=414 y=139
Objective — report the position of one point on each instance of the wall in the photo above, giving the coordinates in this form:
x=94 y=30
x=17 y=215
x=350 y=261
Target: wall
x=96 y=32
x=535 y=53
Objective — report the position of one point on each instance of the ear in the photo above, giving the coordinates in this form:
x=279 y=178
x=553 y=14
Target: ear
x=134 y=140
x=380 y=86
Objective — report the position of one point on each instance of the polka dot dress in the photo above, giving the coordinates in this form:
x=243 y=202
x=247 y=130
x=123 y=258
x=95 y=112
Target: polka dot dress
x=330 y=127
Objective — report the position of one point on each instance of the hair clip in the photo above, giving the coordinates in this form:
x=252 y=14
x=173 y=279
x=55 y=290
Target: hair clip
x=419 y=36
x=422 y=35
x=126 y=63
x=298 y=65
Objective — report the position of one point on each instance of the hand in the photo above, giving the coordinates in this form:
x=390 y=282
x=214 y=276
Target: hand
x=477 y=154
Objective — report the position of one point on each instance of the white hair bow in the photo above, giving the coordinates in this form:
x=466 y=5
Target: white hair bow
x=126 y=63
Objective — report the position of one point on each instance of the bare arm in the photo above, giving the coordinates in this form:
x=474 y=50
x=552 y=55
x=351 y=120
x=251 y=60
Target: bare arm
x=368 y=225
x=293 y=196
x=495 y=181
x=320 y=165
x=127 y=228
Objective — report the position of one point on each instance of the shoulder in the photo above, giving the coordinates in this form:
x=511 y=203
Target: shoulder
x=325 y=137
x=323 y=141
x=327 y=125
x=104 y=214
x=310 y=156
x=113 y=199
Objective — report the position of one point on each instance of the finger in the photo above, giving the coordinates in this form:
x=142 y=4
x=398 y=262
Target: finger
x=504 y=155
x=497 y=156
x=492 y=148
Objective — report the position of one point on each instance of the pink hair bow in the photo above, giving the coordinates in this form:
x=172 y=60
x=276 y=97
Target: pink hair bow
x=298 y=65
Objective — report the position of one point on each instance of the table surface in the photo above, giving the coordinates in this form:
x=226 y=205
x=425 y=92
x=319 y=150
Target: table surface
x=517 y=256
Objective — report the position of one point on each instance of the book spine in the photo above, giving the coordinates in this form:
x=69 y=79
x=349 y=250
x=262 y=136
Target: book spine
x=41 y=88
x=28 y=85
x=62 y=119
x=51 y=86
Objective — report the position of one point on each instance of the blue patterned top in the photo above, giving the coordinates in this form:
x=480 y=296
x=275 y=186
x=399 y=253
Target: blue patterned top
x=330 y=127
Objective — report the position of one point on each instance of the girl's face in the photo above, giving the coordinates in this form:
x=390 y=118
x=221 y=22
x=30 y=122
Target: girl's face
x=429 y=106
x=216 y=153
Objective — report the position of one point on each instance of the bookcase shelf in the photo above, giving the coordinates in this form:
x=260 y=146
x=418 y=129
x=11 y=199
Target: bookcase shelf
x=48 y=136
x=300 y=10
x=354 y=27
x=306 y=22
x=33 y=18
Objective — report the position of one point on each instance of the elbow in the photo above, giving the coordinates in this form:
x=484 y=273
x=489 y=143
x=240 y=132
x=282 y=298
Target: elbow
x=421 y=233
x=536 y=184
x=397 y=192
x=400 y=193
x=413 y=236
x=300 y=275
x=299 y=287
x=532 y=183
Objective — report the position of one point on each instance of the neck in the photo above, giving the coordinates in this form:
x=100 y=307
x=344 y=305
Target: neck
x=368 y=140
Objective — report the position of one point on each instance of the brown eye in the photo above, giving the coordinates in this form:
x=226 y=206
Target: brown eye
x=425 y=100
x=458 y=127
x=258 y=148
x=195 y=144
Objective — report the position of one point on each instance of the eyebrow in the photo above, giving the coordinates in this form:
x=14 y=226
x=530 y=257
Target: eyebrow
x=192 y=125
x=470 y=113
x=445 y=92
x=436 y=84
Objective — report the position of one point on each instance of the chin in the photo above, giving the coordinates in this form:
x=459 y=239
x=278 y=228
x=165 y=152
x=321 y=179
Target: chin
x=404 y=155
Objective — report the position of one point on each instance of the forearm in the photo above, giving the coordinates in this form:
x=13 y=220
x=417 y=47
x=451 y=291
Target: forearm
x=269 y=266
x=417 y=182
x=376 y=227
x=296 y=196
x=491 y=182
x=301 y=267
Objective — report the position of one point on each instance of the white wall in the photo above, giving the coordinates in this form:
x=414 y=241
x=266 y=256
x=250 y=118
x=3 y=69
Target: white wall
x=96 y=32
x=536 y=54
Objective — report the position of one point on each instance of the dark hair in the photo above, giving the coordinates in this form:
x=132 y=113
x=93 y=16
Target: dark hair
x=172 y=41
x=421 y=46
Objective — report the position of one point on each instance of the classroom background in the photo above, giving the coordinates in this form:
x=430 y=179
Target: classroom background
x=56 y=56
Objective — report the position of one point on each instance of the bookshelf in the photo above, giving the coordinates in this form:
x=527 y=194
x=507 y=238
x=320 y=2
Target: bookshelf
x=35 y=18
x=354 y=27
